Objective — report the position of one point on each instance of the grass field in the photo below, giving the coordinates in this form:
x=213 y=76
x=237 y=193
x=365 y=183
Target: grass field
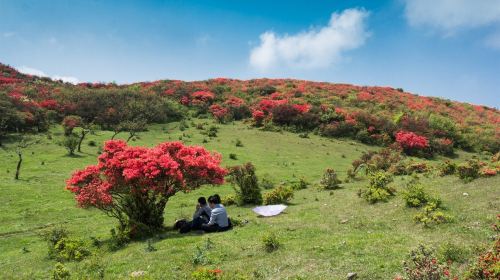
x=371 y=240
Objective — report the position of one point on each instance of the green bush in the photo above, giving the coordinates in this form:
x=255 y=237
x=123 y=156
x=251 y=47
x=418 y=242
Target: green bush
x=239 y=143
x=247 y=190
x=230 y=199
x=61 y=247
x=271 y=242
x=60 y=272
x=423 y=265
x=378 y=189
x=447 y=168
x=416 y=196
x=233 y=156
x=281 y=194
x=469 y=171
x=300 y=184
x=71 y=249
x=451 y=252
x=330 y=181
x=430 y=215
x=70 y=142
x=203 y=273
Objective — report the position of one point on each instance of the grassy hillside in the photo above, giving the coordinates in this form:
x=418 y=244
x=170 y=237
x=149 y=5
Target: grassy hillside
x=324 y=234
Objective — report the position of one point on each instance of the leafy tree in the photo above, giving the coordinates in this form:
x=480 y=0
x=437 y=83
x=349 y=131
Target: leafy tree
x=21 y=145
x=133 y=184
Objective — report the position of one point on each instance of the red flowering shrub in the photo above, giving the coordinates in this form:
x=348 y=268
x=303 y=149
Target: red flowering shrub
x=488 y=172
x=411 y=142
x=220 y=113
x=423 y=265
x=133 y=184
x=69 y=123
x=258 y=117
x=202 y=97
x=487 y=265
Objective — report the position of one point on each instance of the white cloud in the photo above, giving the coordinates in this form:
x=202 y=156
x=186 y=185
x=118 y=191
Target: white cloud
x=450 y=16
x=315 y=48
x=66 y=79
x=32 y=71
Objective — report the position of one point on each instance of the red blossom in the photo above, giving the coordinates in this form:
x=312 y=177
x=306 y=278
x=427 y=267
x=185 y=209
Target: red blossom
x=409 y=140
x=164 y=169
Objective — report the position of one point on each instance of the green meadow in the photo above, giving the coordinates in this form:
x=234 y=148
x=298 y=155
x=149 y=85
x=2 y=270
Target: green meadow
x=323 y=234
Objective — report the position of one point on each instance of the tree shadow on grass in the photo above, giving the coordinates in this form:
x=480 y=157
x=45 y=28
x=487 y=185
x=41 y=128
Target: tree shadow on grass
x=73 y=156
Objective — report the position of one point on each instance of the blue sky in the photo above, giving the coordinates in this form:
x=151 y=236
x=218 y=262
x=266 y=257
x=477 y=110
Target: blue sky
x=445 y=48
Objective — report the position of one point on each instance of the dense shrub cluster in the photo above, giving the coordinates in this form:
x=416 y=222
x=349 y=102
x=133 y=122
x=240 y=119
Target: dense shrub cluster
x=378 y=189
x=372 y=115
x=281 y=194
x=247 y=190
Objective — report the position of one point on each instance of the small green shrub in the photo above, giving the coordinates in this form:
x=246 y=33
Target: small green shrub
x=203 y=273
x=233 y=156
x=230 y=199
x=118 y=240
x=247 y=190
x=70 y=142
x=430 y=215
x=416 y=196
x=92 y=143
x=239 y=143
x=71 y=249
x=60 y=272
x=212 y=131
x=271 y=242
x=423 y=265
x=447 y=168
x=469 y=171
x=63 y=248
x=451 y=252
x=378 y=189
x=199 y=257
x=300 y=184
x=281 y=194
x=330 y=180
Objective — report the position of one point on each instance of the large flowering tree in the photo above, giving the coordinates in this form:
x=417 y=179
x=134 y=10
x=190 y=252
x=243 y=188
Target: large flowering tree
x=133 y=184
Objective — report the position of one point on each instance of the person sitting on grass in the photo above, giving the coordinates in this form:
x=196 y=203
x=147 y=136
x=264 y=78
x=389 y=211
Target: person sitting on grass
x=201 y=214
x=218 y=218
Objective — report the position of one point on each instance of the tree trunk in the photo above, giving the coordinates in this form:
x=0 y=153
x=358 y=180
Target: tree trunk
x=82 y=136
x=144 y=213
x=116 y=133
x=132 y=134
x=18 y=168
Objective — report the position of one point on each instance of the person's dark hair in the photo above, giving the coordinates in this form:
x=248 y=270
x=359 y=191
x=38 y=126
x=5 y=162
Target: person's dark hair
x=213 y=199
x=217 y=197
x=202 y=200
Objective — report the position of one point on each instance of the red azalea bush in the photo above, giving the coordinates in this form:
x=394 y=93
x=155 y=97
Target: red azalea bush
x=258 y=117
x=133 y=184
x=411 y=142
x=69 y=123
x=202 y=97
x=487 y=265
x=220 y=113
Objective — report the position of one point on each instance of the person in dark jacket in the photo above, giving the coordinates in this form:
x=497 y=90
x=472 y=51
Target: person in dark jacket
x=219 y=220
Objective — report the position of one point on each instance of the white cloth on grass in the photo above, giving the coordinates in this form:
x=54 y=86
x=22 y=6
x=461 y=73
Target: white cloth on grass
x=269 y=210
